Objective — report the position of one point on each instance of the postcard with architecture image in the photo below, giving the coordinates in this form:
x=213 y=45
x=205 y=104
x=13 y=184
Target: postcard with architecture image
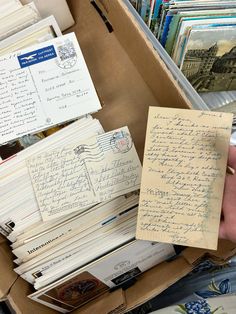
x=209 y=61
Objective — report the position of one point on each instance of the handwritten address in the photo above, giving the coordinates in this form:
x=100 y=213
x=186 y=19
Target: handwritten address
x=74 y=178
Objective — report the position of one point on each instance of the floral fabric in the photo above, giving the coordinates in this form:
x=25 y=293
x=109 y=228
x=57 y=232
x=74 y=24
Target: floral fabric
x=216 y=305
x=195 y=293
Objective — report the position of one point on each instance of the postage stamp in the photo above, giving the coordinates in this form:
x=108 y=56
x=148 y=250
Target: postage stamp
x=121 y=142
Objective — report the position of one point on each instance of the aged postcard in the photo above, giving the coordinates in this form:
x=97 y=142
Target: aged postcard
x=44 y=85
x=183 y=176
x=74 y=178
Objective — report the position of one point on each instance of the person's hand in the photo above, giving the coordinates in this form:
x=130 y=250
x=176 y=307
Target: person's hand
x=228 y=222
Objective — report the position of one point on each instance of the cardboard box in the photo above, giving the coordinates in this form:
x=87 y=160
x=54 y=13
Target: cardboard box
x=129 y=77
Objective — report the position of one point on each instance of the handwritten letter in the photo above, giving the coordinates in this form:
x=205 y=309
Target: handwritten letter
x=183 y=176
x=74 y=178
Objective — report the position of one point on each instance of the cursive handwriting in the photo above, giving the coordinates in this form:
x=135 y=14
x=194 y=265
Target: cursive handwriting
x=74 y=178
x=17 y=101
x=185 y=159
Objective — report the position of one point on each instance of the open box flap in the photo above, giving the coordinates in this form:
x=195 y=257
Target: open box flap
x=21 y=303
x=8 y=277
x=111 y=56
x=166 y=274
x=162 y=276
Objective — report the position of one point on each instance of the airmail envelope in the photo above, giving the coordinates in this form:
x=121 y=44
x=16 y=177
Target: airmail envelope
x=44 y=85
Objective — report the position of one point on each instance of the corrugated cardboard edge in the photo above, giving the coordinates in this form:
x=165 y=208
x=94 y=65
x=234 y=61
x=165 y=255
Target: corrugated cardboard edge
x=6 y=262
x=162 y=276
x=140 y=49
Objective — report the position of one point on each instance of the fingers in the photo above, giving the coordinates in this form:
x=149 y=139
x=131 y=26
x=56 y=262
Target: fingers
x=222 y=230
x=232 y=157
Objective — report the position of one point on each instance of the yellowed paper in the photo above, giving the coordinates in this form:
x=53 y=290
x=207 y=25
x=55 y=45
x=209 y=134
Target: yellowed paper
x=183 y=176
x=71 y=179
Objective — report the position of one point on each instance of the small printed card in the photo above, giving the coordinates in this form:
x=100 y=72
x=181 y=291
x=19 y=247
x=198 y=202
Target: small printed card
x=183 y=176
x=44 y=85
x=74 y=178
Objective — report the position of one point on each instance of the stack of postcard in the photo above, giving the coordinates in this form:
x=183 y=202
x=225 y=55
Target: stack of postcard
x=69 y=206
x=22 y=27
x=68 y=191
x=199 y=35
x=14 y=17
x=16 y=187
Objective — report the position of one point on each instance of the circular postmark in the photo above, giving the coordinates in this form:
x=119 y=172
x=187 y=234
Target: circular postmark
x=66 y=64
x=121 y=142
